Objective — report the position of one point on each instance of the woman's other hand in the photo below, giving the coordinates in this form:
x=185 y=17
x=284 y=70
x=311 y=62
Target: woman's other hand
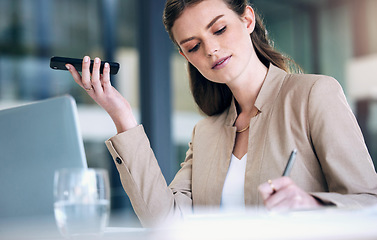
x=99 y=88
x=283 y=194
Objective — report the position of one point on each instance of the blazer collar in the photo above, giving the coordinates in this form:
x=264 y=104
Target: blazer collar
x=270 y=88
x=267 y=95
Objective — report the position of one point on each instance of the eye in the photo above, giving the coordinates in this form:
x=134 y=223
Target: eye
x=222 y=30
x=195 y=48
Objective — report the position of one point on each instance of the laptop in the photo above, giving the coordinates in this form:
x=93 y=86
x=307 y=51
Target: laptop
x=35 y=140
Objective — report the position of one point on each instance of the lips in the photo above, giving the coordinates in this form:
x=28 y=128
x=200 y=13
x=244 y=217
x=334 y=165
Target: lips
x=222 y=62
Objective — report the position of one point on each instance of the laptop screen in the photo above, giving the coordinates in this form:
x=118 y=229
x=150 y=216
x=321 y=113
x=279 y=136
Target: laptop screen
x=35 y=140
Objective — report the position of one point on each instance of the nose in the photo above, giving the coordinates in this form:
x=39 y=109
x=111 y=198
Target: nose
x=211 y=53
x=211 y=48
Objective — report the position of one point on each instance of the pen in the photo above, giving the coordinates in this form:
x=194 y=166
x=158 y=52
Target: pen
x=290 y=162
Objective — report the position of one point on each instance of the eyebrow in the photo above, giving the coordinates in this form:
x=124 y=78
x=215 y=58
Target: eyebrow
x=207 y=27
x=214 y=20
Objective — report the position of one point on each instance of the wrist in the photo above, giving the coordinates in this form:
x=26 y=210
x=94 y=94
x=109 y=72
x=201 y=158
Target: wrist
x=124 y=123
x=122 y=117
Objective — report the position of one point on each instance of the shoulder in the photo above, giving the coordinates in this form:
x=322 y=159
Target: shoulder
x=210 y=125
x=212 y=121
x=311 y=85
x=310 y=80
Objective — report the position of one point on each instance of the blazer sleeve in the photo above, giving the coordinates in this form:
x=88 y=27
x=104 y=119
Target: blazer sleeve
x=340 y=147
x=141 y=177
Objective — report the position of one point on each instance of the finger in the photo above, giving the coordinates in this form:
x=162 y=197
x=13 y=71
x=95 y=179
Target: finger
x=106 y=77
x=96 y=75
x=265 y=190
x=85 y=75
x=282 y=182
x=76 y=75
x=271 y=186
x=277 y=200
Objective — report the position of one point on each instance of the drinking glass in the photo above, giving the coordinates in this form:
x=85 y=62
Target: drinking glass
x=82 y=202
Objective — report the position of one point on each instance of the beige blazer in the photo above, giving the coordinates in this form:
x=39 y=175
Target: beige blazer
x=307 y=112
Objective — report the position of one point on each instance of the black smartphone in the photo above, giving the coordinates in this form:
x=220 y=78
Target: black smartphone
x=60 y=62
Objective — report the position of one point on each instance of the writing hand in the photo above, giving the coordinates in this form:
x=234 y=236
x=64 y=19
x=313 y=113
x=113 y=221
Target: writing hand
x=283 y=194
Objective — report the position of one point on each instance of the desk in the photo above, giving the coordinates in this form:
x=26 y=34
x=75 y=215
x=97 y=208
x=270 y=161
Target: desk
x=329 y=223
x=43 y=229
x=122 y=225
x=326 y=223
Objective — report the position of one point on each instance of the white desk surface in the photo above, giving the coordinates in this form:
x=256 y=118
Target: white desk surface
x=322 y=224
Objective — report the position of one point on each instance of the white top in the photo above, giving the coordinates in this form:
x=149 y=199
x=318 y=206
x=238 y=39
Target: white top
x=233 y=191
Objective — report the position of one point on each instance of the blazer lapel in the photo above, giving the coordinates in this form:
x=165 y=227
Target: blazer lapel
x=221 y=161
x=257 y=135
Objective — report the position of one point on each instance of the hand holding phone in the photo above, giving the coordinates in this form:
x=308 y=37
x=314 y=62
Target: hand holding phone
x=58 y=63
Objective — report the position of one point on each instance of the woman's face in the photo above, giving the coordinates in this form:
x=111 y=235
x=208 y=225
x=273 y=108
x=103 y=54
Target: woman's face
x=215 y=40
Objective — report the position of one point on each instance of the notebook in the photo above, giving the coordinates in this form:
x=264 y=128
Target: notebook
x=35 y=140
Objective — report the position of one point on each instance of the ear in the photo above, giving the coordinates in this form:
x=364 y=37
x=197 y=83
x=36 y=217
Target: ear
x=180 y=52
x=249 y=19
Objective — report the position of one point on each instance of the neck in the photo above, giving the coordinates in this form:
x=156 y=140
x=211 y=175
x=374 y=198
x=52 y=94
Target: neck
x=246 y=89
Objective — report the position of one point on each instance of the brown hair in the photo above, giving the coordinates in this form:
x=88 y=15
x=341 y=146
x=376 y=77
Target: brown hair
x=213 y=98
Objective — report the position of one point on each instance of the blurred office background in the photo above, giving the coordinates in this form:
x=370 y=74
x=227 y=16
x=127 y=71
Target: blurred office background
x=331 y=37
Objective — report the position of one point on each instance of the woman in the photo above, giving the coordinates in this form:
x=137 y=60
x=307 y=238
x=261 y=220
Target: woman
x=257 y=113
